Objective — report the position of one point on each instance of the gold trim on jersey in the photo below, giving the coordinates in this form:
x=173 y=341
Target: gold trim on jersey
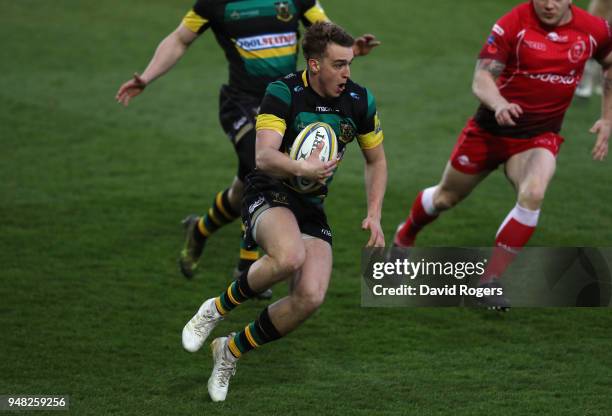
x=271 y=122
x=305 y=78
x=268 y=53
x=370 y=140
x=194 y=21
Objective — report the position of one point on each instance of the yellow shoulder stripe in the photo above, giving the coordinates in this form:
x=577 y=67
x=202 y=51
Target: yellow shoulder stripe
x=370 y=140
x=193 y=21
x=373 y=138
x=271 y=122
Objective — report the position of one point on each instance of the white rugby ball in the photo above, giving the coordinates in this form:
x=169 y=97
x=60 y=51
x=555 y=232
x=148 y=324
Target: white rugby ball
x=305 y=143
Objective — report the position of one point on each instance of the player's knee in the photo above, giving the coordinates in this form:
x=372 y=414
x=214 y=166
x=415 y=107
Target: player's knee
x=532 y=197
x=292 y=260
x=446 y=199
x=307 y=302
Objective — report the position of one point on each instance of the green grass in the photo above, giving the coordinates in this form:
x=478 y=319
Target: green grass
x=92 y=303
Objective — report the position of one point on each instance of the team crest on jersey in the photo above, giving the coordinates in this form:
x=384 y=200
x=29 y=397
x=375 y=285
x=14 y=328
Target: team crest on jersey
x=283 y=13
x=347 y=131
x=576 y=51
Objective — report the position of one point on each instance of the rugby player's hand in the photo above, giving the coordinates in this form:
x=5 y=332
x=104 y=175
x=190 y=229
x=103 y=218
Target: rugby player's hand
x=364 y=44
x=377 y=237
x=130 y=89
x=313 y=168
x=505 y=114
x=602 y=129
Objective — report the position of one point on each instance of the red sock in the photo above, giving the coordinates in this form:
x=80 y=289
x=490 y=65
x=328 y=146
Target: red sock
x=417 y=219
x=514 y=233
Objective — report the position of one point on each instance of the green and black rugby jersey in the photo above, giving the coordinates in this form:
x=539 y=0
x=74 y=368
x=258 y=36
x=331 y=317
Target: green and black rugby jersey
x=290 y=105
x=259 y=37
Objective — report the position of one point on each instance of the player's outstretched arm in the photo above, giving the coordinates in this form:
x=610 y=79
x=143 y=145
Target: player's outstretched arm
x=485 y=88
x=167 y=54
x=603 y=126
x=271 y=160
x=376 y=184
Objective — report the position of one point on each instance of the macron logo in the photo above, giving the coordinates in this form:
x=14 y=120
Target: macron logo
x=498 y=29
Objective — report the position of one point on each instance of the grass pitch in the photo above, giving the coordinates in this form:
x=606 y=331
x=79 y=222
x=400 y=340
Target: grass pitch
x=92 y=303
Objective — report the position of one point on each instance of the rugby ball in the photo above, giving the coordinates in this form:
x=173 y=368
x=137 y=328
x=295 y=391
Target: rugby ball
x=305 y=143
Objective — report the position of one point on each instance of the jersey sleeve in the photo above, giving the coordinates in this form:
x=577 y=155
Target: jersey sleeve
x=502 y=40
x=198 y=18
x=602 y=35
x=274 y=109
x=312 y=12
x=369 y=130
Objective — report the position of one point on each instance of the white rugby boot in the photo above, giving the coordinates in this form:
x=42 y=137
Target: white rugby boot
x=224 y=367
x=200 y=326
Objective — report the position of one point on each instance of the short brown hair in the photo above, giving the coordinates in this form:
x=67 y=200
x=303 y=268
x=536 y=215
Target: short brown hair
x=320 y=34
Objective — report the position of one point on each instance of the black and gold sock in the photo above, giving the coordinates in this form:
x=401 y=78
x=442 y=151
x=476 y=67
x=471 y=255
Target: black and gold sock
x=220 y=214
x=259 y=332
x=238 y=292
x=248 y=254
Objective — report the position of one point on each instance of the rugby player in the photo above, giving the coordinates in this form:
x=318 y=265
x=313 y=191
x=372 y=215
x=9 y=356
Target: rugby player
x=525 y=78
x=291 y=226
x=260 y=43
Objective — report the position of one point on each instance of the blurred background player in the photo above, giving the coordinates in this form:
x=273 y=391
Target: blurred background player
x=592 y=77
x=525 y=79
x=260 y=41
x=290 y=225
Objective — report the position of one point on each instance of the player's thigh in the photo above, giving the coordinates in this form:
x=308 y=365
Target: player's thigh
x=459 y=184
x=278 y=233
x=533 y=168
x=313 y=278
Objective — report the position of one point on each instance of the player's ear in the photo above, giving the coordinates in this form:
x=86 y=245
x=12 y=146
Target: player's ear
x=313 y=65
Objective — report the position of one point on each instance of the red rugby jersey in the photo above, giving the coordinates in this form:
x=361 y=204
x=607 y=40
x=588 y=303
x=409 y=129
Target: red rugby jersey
x=544 y=65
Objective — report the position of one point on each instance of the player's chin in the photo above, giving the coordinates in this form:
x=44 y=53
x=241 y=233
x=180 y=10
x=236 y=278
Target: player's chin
x=551 y=20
